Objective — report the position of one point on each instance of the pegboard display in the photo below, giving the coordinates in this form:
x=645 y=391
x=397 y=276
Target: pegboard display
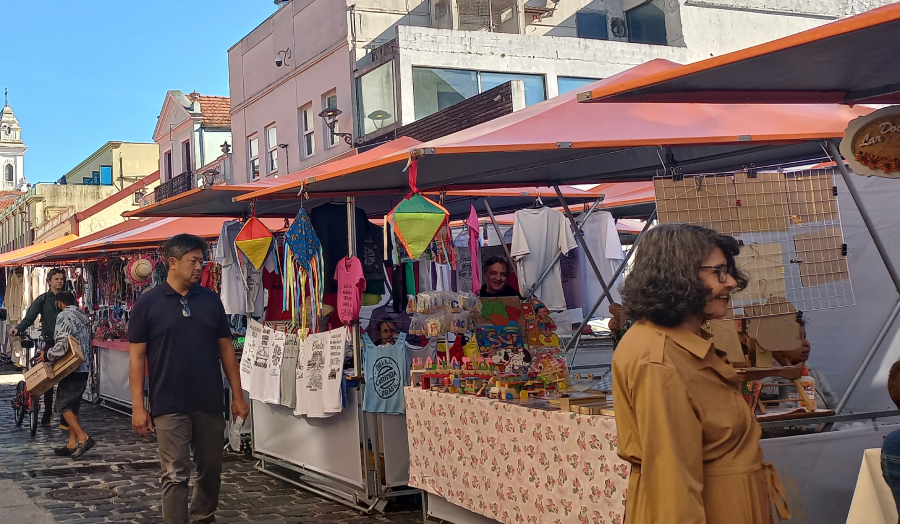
x=789 y=227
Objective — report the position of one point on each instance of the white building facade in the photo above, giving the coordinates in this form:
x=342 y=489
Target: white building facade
x=12 y=151
x=387 y=63
x=190 y=130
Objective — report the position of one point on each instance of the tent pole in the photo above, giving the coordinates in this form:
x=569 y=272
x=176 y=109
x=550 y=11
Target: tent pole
x=605 y=294
x=499 y=235
x=885 y=257
x=546 y=272
x=351 y=252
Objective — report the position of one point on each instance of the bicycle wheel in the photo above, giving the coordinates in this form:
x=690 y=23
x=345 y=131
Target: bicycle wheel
x=19 y=403
x=35 y=409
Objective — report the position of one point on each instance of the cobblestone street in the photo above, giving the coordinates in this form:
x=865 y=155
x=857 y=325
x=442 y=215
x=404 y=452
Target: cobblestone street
x=129 y=466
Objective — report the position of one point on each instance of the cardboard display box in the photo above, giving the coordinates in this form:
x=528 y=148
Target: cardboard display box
x=45 y=375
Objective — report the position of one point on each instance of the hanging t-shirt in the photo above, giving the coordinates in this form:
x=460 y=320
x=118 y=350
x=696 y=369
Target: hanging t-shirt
x=425 y=352
x=251 y=342
x=351 y=284
x=319 y=373
x=289 y=370
x=538 y=236
x=582 y=287
x=234 y=294
x=330 y=222
x=273 y=283
x=268 y=389
x=261 y=364
x=386 y=372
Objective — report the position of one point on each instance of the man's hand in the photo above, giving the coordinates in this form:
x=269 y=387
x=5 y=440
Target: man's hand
x=141 y=421
x=39 y=357
x=13 y=332
x=239 y=407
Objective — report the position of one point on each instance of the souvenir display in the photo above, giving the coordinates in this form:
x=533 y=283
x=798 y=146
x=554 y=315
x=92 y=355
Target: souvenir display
x=416 y=220
x=255 y=242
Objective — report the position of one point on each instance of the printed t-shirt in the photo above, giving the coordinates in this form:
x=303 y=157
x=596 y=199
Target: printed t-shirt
x=386 y=372
x=351 y=284
x=251 y=341
x=319 y=373
x=330 y=222
x=538 y=236
x=270 y=387
x=289 y=370
x=261 y=366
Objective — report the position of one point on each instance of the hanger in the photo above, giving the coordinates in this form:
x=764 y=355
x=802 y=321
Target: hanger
x=538 y=203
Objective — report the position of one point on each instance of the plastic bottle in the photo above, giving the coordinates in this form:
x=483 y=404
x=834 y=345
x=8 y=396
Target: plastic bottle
x=809 y=386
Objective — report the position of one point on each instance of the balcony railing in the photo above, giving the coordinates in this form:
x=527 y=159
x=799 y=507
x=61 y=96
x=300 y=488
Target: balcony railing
x=179 y=184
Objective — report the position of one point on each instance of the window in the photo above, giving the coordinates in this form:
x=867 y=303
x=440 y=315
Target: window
x=106 y=175
x=647 y=23
x=436 y=89
x=377 y=99
x=564 y=84
x=87 y=181
x=167 y=165
x=186 y=165
x=271 y=150
x=10 y=173
x=307 y=130
x=591 y=25
x=253 y=154
x=95 y=178
x=329 y=101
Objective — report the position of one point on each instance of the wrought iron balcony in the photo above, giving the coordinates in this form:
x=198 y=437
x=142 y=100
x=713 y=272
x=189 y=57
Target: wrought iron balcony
x=179 y=184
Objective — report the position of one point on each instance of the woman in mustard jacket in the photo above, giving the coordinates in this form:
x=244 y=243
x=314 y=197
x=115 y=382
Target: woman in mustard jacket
x=682 y=422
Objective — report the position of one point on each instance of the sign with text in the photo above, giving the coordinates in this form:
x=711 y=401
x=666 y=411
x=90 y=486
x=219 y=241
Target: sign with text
x=871 y=144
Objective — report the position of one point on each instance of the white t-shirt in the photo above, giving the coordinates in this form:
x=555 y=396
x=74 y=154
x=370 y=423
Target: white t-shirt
x=268 y=388
x=262 y=361
x=538 y=236
x=234 y=293
x=319 y=373
x=251 y=342
x=603 y=240
x=289 y=371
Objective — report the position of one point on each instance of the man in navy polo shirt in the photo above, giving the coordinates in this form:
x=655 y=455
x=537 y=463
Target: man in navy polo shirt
x=181 y=329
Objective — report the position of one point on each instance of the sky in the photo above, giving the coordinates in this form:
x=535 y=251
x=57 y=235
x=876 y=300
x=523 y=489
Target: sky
x=84 y=72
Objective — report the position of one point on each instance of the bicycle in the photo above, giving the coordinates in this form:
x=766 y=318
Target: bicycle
x=24 y=402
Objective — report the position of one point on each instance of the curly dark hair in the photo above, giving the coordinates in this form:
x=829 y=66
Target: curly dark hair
x=664 y=285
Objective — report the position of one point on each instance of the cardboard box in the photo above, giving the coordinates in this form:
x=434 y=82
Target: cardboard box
x=40 y=378
x=72 y=360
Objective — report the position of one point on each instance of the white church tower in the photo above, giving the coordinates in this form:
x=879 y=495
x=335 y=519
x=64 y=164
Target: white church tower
x=12 y=150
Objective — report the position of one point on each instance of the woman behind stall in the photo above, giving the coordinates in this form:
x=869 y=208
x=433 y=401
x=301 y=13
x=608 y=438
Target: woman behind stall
x=682 y=422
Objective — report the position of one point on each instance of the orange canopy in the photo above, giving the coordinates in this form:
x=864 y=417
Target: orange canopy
x=16 y=256
x=560 y=141
x=849 y=61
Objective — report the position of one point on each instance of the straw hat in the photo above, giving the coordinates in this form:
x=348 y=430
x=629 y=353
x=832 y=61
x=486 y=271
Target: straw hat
x=139 y=271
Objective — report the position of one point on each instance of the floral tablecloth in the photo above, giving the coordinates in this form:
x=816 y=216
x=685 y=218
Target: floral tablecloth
x=515 y=464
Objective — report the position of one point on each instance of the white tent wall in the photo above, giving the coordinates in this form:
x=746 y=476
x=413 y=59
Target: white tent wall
x=841 y=337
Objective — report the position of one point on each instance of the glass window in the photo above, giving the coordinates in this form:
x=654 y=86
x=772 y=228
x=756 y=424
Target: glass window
x=436 y=89
x=253 y=154
x=186 y=165
x=330 y=101
x=564 y=84
x=106 y=175
x=10 y=174
x=307 y=130
x=591 y=25
x=378 y=101
x=647 y=24
x=167 y=157
x=271 y=150
x=95 y=178
x=534 y=85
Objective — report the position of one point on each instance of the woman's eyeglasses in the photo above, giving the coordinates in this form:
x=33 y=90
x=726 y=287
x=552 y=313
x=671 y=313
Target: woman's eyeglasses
x=185 y=310
x=724 y=271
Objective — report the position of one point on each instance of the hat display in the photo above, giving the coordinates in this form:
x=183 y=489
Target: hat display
x=139 y=271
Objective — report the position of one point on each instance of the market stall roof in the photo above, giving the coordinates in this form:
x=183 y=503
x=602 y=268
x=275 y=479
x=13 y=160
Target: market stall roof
x=15 y=257
x=153 y=232
x=220 y=200
x=849 y=61
x=560 y=141
x=62 y=253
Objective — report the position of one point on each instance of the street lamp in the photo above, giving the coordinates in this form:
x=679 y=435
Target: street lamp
x=329 y=115
x=378 y=117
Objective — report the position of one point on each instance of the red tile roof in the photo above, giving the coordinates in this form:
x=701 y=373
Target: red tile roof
x=216 y=111
x=117 y=197
x=8 y=198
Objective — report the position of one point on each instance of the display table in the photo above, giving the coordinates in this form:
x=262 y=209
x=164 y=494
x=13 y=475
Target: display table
x=513 y=463
x=872 y=499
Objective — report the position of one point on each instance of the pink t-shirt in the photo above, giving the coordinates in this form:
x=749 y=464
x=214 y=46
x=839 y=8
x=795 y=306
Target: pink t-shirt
x=351 y=283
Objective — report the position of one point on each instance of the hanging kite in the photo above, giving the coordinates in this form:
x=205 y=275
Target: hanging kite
x=416 y=221
x=254 y=241
x=303 y=263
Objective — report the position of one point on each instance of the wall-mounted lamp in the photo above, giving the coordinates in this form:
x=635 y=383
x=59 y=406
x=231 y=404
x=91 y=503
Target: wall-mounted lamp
x=378 y=117
x=287 y=167
x=330 y=115
x=282 y=57
x=209 y=178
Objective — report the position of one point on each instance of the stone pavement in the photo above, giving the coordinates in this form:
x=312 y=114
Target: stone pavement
x=128 y=465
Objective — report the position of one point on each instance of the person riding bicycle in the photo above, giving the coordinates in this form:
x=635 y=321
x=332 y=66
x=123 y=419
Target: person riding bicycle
x=45 y=306
x=71 y=322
